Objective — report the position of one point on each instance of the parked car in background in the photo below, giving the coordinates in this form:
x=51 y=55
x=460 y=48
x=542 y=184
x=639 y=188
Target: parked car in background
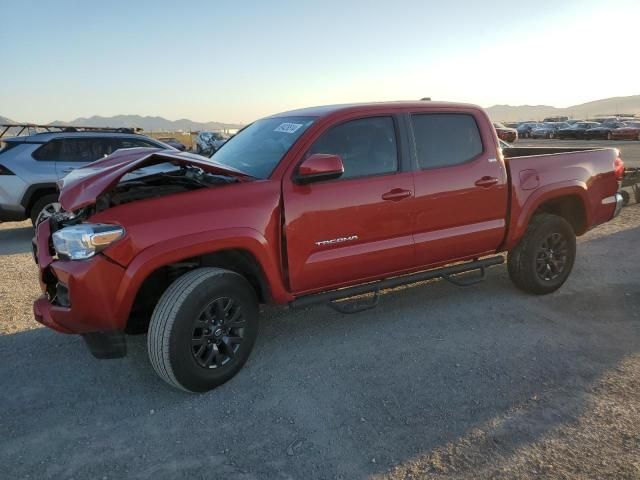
x=575 y=131
x=524 y=129
x=555 y=119
x=292 y=212
x=547 y=130
x=174 y=142
x=31 y=166
x=208 y=142
x=603 y=131
x=631 y=131
x=505 y=133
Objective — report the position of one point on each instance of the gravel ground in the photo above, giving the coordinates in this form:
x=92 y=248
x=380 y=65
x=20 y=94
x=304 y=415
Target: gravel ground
x=438 y=381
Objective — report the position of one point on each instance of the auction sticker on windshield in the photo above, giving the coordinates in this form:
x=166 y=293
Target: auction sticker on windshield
x=288 y=127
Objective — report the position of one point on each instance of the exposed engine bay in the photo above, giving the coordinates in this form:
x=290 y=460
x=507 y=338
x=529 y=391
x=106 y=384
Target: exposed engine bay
x=181 y=179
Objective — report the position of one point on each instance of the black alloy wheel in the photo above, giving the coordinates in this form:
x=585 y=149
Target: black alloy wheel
x=551 y=257
x=218 y=333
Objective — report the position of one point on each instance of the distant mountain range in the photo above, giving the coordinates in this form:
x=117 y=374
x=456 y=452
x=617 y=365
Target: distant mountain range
x=147 y=123
x=607 y=106
x=501 y=113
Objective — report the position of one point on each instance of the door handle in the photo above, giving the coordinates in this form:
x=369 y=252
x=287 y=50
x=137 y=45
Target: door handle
x=486 y=182
x=396 y=194
x=68 y=170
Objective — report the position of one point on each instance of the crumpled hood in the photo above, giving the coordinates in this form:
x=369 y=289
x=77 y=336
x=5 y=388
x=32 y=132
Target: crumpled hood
x=84 y=185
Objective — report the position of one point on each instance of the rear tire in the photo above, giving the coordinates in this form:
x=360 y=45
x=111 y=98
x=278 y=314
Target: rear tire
x=203 y=329
x=625 y=197
x=43 y=208
x=543 y=259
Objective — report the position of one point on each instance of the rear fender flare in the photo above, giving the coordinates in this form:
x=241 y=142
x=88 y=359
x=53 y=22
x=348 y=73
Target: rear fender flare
x=521 y=214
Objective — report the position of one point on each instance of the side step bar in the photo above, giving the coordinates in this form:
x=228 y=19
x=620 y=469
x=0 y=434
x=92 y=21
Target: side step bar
x=375 y=287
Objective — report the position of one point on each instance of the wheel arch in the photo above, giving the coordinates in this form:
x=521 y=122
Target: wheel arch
x=150 y=273
x=568 y=200
x=36 y=191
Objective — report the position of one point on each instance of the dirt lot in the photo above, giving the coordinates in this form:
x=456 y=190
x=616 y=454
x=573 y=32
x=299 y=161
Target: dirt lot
x=482 y=382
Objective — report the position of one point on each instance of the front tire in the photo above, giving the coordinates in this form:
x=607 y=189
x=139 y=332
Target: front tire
x=203 y=329
x=543 y=259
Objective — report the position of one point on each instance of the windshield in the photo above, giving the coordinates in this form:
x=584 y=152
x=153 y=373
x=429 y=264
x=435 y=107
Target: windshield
x=258 y=148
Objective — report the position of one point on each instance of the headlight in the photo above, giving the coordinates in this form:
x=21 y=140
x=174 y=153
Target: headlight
x=82 y=241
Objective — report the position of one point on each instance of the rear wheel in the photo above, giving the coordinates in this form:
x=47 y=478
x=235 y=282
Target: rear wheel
x=44 y=208
x=543 y=259
x=203 y=329
x=625 y=197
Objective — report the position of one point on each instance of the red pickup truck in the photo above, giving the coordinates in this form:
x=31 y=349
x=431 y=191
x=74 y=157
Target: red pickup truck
x=315 y=205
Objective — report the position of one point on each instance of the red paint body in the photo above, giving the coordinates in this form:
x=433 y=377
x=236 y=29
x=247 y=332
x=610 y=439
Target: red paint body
x=626 y=133
x=314 y=237
x=505 y=133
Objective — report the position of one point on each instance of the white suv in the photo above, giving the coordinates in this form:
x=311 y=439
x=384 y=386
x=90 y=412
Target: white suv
x=30 y=167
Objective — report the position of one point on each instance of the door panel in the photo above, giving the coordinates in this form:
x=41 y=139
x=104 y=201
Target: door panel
x=359 y=226
x=461 y=204
x=342 y=231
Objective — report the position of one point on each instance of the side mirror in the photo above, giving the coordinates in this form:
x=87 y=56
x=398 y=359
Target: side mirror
x=318 y=167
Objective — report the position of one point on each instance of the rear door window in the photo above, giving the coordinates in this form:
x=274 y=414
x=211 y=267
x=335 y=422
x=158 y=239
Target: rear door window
x=49 y=152
x=445 y=139
x=85 y=149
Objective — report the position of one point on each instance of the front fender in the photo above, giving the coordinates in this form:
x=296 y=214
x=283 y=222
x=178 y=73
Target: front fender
x=184 y=247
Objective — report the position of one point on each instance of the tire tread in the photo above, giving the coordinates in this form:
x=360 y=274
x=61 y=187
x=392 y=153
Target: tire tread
x=164 y=316
x=518 y=268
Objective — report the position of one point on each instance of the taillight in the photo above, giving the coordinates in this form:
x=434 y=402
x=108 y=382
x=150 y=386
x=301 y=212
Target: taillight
x=5 y=171
x=618 y=168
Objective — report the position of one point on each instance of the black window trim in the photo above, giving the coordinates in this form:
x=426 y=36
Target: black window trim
x=414 y=146
x=400 y=167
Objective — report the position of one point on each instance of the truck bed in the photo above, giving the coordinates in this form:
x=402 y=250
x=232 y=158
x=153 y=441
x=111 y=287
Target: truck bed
x=536 y=174
x=516 y=152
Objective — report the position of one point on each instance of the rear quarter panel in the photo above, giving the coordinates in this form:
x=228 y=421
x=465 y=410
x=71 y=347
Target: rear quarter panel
x=536 y=179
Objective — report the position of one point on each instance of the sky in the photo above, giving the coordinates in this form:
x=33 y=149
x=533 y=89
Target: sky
x=238 y=61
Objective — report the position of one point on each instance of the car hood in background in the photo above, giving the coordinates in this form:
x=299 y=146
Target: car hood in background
x=84 y=185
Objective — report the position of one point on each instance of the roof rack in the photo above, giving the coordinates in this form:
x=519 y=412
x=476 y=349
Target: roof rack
x=35 y=128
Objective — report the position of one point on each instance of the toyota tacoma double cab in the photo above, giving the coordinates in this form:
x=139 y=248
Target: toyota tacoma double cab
x=319 y=205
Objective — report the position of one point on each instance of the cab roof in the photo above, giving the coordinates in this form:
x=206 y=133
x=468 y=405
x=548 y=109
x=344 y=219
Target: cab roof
x=326 y=110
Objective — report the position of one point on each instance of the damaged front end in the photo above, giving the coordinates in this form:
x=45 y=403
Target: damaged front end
x=139 y=173
x=78 y=280
x=176 y=180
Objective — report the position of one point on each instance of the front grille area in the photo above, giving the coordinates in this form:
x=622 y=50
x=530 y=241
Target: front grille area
x=51 y=282
x=62 y=295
